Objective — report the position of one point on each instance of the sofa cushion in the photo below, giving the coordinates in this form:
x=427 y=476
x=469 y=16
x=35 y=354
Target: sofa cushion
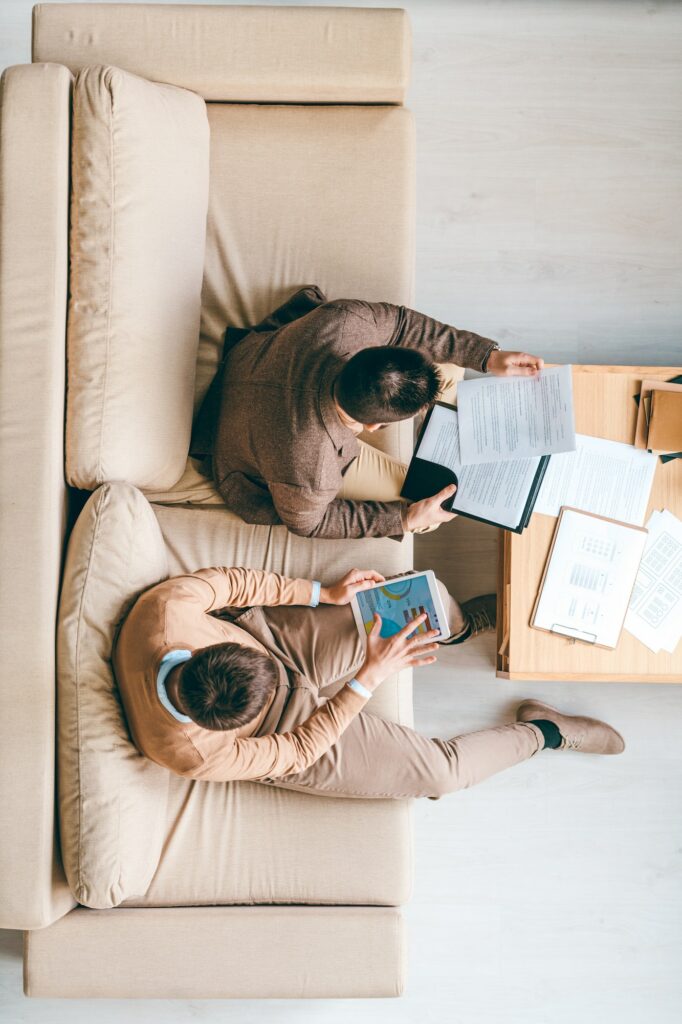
x=133 y=832
x=112 y=801
x=138 y=220
x=299 y=195
x=244 y=842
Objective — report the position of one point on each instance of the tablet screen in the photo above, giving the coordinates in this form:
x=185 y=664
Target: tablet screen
x=398 y=602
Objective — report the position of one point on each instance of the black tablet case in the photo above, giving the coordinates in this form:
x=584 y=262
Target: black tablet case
x=424 y=479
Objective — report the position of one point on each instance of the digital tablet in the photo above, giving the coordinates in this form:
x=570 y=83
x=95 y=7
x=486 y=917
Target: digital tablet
x=399 y=601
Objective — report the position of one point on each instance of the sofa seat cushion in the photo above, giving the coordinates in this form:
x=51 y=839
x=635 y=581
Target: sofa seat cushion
x=243 y=842
x=304 y=195
x=132 y=831
x=250 y=843
x=140 y=158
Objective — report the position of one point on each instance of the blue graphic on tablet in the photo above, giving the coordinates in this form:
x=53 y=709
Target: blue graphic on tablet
x=398 y=603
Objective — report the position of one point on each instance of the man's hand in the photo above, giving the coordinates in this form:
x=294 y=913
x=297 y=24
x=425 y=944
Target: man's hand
x=514 y=364
x=345 y=590
x=403 y=650
x=428 y=511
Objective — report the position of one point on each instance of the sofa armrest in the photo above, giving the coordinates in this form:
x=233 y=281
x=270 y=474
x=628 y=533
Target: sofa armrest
x=34 y=197
x=238 y=53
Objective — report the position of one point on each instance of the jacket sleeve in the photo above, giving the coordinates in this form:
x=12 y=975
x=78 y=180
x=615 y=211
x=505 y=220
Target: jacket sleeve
x=310 y=513
x=398 y=325
x=277 y=755
x=223 y=587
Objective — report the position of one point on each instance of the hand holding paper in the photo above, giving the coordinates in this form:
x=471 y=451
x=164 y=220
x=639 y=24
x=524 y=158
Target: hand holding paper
x=516 y=417
x=514 y=364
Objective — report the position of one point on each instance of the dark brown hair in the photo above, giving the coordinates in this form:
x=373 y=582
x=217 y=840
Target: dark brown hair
x=387 y=383
x=225 y=685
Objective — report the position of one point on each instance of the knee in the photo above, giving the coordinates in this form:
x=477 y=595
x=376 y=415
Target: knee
x=450 y=376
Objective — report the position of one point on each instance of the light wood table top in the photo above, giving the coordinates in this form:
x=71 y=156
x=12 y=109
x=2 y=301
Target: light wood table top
x=604 y=406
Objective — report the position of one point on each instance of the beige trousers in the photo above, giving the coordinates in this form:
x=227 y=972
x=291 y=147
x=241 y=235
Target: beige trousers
x=321 y=649
x=375 y=476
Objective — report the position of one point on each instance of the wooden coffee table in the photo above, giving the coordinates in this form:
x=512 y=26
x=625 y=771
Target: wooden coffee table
x=604 y=407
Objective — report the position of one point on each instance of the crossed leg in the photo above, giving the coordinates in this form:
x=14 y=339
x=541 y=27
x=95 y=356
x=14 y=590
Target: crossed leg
x=375 y=758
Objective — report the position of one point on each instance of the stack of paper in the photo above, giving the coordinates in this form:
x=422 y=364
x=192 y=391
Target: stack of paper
x=604 y=477
x=655 y=613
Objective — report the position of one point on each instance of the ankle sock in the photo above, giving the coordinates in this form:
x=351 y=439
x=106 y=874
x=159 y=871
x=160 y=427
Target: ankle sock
x=550 y=731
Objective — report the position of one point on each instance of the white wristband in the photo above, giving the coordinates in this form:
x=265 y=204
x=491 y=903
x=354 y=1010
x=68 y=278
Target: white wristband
x=359 y=688
x=315 y=597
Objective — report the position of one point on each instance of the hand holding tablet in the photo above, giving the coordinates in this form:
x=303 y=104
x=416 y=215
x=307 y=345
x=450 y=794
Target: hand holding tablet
x=399 y=601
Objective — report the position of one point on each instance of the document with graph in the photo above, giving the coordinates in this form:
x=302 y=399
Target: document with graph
x=589 y=577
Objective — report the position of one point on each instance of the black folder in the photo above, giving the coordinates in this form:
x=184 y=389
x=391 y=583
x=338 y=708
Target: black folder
x=425 y=478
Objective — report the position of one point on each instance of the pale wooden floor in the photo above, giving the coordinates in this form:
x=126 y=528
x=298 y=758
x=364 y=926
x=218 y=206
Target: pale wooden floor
x=549 y=187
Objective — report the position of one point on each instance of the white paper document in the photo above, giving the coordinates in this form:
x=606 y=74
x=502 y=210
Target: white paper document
x=655 y=613
x=495 y=491
x=589 y=579
x=516 y=417
x=605 y=477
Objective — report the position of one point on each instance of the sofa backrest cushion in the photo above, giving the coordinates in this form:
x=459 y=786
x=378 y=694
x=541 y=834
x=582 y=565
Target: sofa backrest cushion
x=140 y=158
x=112 y=800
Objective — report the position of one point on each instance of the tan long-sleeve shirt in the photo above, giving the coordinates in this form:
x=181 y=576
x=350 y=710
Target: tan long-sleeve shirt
x=176 y=615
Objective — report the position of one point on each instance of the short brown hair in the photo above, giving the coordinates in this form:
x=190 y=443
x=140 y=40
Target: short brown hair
x=387 y=383
x=226 y=685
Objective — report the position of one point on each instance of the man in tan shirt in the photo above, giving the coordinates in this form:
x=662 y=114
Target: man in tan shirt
x=231 y=673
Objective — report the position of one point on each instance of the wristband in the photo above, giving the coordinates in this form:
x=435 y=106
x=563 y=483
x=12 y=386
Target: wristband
x=359 y=688
x=315 y=596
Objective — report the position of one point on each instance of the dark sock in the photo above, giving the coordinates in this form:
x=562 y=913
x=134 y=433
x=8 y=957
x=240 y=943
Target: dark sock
x=550 y=731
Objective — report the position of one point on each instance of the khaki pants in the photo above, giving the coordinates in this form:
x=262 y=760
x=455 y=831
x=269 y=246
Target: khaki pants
x=320 y=648
x=375 y=476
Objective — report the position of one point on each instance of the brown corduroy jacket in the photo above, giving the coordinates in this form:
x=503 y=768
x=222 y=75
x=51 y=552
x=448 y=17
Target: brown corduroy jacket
x=280 y=449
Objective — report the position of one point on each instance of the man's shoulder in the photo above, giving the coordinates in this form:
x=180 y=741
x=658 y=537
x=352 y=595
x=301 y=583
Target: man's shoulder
x=358 y=307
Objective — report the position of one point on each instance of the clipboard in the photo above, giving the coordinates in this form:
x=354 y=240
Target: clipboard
x=565 y=630
x=424 y=479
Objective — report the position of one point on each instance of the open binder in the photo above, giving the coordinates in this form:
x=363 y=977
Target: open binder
x=499 y=493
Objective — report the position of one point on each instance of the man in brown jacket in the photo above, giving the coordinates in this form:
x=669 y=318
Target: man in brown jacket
x=275 y=693
x=297 y=389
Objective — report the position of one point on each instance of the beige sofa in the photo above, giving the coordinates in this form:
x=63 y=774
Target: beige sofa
x=128 y=241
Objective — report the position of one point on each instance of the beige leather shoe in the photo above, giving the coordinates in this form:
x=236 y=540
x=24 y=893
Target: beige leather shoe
x=588 y=735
